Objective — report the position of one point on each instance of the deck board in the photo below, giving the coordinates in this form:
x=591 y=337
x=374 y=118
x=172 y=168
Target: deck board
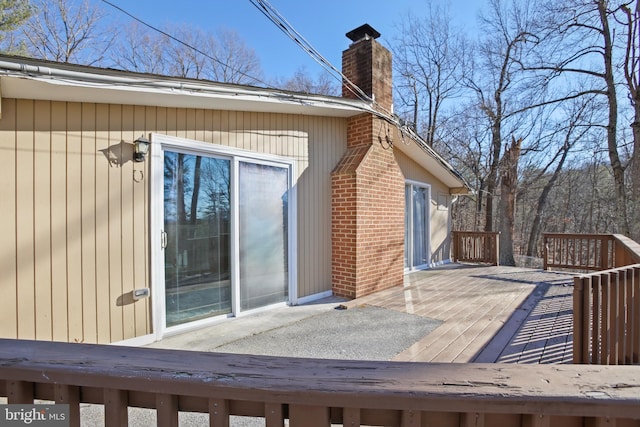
x=489 y=314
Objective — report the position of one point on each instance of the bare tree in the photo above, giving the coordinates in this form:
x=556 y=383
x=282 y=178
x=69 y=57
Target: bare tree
x=572 y=128
x=233 y=61
x=582 y=36
x=66 y=31
x=429 y=59
x=138 y=49
x=302 y=81
x=185 y=51
x=631 y=65
x=501 y=90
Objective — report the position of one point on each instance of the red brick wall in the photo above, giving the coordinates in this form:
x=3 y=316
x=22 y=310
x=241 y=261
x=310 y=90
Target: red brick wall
x=367 y=185
x=367 y=214
x=368 y=64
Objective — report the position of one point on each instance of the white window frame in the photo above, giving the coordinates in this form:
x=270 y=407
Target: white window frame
x=161 y=143
x=409 y=233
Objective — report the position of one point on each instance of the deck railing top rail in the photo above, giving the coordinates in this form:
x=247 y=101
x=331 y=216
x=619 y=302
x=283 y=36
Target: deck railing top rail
x=307 y=391
x=589 y=252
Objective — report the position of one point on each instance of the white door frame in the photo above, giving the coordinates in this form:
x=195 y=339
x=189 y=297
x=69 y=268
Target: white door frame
x=409 y=233
x=160 y=143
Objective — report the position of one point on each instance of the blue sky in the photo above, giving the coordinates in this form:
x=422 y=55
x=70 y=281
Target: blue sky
x=323 y=23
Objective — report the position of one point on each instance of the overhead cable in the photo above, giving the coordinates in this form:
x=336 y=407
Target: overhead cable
x=177 y=40
x=280 y=21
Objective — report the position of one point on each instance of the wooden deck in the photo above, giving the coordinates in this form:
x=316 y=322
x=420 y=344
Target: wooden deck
x=489 y=314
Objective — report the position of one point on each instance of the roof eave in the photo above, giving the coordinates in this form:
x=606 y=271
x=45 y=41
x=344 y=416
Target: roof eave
x=31 y=80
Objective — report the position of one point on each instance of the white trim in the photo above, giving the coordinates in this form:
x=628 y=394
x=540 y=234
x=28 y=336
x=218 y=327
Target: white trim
x=235 y=237
x=428 y=225
x=33 y=79
x=292 y=234
x=160 y=143
x=196 y=324
x=314 y=297
x=155 y=230
x=137 y=341
x=261 y=309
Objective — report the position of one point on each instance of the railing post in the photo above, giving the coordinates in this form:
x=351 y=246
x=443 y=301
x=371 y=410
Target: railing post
x=411 y=419
x=69 y=395
x=497 y=252
x=19 y=392
x=578 y=315
x=351 y=417
x=273 y=415
x=218 y=412
x=167 y=410
x=604 y=253
x=116 y=405
x=635 y=323
x=454 y=236
x=545 y=253
x=309 y=416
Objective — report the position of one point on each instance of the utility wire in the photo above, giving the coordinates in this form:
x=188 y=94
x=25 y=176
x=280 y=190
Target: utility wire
x=177 y=40
x=280 y=21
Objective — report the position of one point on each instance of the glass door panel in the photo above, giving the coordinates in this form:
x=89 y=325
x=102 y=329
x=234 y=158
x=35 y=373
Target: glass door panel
x=407 y=226
x=263 y=207
x=197 y=223
x=416 y=222
x=419 y=226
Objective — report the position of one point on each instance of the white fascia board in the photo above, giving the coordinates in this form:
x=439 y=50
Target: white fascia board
x=434 y=164
x=172 y=94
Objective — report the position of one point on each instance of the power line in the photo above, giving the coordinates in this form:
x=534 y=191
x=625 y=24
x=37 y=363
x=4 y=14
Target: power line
x=280 y=21
x=177 y=40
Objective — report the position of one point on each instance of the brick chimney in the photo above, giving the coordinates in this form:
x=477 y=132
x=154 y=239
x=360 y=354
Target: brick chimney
x=368 y=64
x=367 y=184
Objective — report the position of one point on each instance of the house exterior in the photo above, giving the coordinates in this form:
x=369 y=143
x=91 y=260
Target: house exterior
x=248 y=198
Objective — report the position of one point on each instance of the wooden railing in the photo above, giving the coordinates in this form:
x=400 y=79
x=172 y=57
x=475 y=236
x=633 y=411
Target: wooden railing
x=311 y=392
x=606 y=313
x=589 y=251
x=476 y=246
x=606 y=303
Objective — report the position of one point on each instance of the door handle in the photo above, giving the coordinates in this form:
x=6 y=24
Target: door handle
x=163 y=239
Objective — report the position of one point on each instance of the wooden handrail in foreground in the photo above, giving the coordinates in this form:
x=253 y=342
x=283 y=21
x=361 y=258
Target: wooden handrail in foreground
x=476 y=246
x=314 y=392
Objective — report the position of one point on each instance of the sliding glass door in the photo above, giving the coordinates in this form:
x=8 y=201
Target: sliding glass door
x=197 y=226
x=224 y=221
x=263 y=231
x=416 y=242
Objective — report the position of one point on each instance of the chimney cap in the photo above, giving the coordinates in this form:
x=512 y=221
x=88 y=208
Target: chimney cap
x=362 y=32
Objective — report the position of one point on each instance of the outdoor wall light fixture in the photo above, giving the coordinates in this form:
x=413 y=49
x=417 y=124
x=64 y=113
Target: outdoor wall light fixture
x=140 y=149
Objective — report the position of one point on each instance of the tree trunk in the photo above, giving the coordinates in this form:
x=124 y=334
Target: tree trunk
x=492 y=179
x=632 y=76
x=507 y=203
x=622 y=222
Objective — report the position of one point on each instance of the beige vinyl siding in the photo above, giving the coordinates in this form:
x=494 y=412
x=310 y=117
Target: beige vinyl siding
x=75 y=219
x=440 y=217
x=9 y=221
